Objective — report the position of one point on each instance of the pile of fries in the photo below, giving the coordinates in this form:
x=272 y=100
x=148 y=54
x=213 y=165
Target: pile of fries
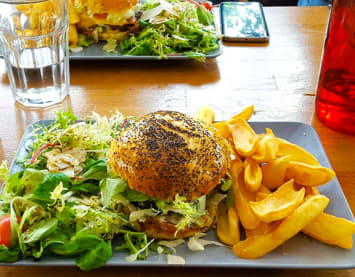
x=276 y=196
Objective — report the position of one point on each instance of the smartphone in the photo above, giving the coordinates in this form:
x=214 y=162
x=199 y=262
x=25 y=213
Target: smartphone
x=243 y=21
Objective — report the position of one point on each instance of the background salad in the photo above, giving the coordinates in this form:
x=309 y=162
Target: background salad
x=168 y=27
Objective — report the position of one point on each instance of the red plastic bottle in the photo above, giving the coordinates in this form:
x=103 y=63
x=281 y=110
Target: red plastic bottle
x=335 y=102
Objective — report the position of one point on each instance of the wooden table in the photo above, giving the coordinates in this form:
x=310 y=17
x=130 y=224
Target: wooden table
x=279 y=78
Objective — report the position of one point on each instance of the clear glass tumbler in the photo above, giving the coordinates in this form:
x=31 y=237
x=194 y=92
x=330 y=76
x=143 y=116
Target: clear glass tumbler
x=335 y=102
x=34 y=41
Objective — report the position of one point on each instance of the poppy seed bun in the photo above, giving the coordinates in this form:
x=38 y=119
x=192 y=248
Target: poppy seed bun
x=167 y=153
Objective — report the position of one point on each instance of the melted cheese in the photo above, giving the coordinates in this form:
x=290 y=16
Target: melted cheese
x=110 y=12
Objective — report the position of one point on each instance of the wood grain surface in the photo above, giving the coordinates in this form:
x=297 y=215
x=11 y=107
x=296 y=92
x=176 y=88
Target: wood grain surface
x=279 y=78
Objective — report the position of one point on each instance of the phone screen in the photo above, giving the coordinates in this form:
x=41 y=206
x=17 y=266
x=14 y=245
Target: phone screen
x=242 y=21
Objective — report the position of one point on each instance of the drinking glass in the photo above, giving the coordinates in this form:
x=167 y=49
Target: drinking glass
x=34 y=42
x=335 y=101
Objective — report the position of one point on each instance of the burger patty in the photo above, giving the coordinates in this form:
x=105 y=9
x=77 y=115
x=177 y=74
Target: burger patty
x=163 y=227
x=131 y=27
x=167 y=153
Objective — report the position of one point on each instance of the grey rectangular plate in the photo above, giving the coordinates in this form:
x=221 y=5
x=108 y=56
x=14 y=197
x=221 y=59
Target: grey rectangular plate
x=95 y=52
x=298 y=252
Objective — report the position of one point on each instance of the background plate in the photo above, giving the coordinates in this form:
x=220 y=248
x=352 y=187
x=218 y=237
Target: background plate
x=95 y=52
x=298 y=252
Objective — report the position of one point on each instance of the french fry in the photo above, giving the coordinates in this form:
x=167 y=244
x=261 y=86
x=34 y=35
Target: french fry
x=262 y=229
x=245 y=114
x=223 y=130
x=242 y=198
x=309 y=175
x=72 y=35
x=73 y=16
x=257 y=246
x=264 y=189
x=237 y=167
x=331 y=230
x=311 y=191
x=298 y=154
x=227 y=224
x=252 y=175
x=205 y=114
x=266 y=148
x=274 y=172
x=260 y=196
x=244 y=137
x=279 y=204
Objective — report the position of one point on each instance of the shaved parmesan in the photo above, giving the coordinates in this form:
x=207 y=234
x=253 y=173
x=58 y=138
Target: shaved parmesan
x=76 y=49
x=68 y=161
x=164 y=6
x=194 y=245
x=173 y=259
x=197 y=244
x=171 y=244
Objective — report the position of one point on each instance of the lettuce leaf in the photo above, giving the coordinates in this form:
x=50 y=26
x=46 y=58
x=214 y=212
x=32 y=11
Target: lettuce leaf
x=42 y=192
x=110 y=46
x=95 y=170
x=4 y=172
x=95 y=257
x=65 y=118
x=109 y=188
x=40 y=230
x=91 y=251
x=85 y=41
x=8 y=255
x=31 y=178
x=135 y=196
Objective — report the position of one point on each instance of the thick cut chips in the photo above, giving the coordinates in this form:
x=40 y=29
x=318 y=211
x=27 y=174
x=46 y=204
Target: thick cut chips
x=309 y=175
x=205 y=114
x=297 y=154
x=274 y=172
x=223 y=130
x=269 y=219
x=242 y=198
x=332 y=230
x=252 y=174
x=72 y=35
x=264 y=189
x=227 y=224
x=244 y=137
x=257 y=246
x=245 y=114
x=266 y=148
x=279 y=204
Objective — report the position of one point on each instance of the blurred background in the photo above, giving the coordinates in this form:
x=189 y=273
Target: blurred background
x=287 y=2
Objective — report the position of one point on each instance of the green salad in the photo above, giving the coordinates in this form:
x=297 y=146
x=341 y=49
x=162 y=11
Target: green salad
x=66 y=202
x=168 y=27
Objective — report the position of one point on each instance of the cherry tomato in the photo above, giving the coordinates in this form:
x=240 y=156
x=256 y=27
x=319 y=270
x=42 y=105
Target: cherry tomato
x=208 y=6
x=5 y=230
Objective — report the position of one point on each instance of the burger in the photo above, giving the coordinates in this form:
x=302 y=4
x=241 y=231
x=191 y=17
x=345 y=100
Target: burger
x=106 y=19
x=175 y=164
